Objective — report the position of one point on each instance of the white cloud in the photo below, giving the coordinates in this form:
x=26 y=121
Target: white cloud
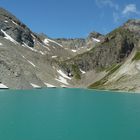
x=110 y=3
x=130 y=8
x=118 y=13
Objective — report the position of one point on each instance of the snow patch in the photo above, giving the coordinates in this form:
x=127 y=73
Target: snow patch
x=25 y=45
x=83 y=72
x=14 y=22
x=34 y=85
x=33 y=36
x=54 y=56
x=97 y=40
x=5 y=21
x=46 y=41
x=62 y=80
x=49 y=85
x=1 y=44
x=46 y=47
x=89 y=49
x=8 y=37
x=2 y=86
x=42 y=52
x=63 y=74
x=31 y=63
x=74 y=51
x=23 y=56
x=55 y=42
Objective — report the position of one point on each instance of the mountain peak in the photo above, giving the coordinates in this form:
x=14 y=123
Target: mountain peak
x=133 y=25
x=5 y=13
x=133 y=21
x=94 y=35
x=11 y=26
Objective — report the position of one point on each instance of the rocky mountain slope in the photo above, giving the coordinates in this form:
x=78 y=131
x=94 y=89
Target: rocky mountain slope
x=81 y=45
x=29 y=60
x=26 y=61
x=32 y=60
x=116 y=57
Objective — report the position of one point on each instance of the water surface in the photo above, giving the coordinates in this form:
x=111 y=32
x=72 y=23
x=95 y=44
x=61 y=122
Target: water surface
x=69 y=114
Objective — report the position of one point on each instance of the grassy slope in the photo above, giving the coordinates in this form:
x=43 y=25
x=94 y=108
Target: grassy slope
x=137 y=56
x=99 y=84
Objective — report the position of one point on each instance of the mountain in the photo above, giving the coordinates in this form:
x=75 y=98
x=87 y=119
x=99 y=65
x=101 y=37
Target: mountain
x=33 y=60
x=26 y=61
x=113 y=63
x=29 y=59
x=81 y=45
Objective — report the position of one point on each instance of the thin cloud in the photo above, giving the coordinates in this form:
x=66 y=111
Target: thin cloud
x=119 y=13
x=116 y=17
x=130 y=8
x=110 y=3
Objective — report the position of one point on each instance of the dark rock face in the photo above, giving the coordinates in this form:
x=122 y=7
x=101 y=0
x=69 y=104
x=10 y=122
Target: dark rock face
x=15 y=29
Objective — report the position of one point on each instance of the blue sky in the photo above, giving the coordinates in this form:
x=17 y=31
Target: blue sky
x=73 y=18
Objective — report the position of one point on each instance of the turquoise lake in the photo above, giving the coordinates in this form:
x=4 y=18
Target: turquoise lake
x=69 y=114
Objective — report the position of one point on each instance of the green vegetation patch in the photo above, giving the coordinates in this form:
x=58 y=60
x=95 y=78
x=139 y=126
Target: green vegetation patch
x=113 y=69
x=136 y=57
x=76 y=72
x=100 y=84
x=121 y=78
x=110 y=68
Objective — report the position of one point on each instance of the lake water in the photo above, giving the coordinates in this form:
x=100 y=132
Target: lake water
x=69 y=114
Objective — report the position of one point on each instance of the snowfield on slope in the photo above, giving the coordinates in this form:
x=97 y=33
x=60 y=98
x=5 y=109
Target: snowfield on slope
x=8 y=37
x=97 y=40
x=34 y=85
x=46 y=41
x=74 y=51
x=49 y=85
x=63 y=74
x=62 y=80
x=2 y=86
x=31 y=63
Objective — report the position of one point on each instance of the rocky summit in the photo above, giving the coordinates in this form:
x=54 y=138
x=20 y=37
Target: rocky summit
x=33 y=60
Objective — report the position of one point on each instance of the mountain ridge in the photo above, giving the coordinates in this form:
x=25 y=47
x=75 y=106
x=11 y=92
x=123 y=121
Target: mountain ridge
x=32 y=60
